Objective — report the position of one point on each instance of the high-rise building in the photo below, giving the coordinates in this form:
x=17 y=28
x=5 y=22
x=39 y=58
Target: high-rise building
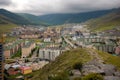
x=1 y=63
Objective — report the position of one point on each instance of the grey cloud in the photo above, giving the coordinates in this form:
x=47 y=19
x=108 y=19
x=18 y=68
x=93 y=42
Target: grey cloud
x=66 y=6
x=74 y=6
x=5 y=2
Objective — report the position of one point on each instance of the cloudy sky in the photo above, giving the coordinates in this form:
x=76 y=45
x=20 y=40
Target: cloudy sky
x=40 y=7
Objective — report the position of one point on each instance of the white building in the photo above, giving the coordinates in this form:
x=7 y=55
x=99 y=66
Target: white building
x=49 y=54
x=47 y=39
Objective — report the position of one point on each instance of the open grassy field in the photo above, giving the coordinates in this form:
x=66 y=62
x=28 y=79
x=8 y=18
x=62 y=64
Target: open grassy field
x=6 y=27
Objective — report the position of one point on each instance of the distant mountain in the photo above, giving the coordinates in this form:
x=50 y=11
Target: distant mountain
x=3 y=20
x=33 y=19
x=106 y=22
x=72 y=18
x=5 y=28
x=51 y=19
x=5 y=25
x=57 y=19
x=12 y=17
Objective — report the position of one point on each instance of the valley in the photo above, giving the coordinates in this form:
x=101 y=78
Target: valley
x=80 y=46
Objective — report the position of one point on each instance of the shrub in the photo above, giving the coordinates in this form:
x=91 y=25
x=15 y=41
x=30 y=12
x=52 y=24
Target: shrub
x=93 y=76
x=60 y=76
x=77 y=66
x=77 y=78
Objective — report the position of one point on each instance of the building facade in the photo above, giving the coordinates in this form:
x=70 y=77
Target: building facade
x=49 y=54
x=1 y=63
x=26 y=50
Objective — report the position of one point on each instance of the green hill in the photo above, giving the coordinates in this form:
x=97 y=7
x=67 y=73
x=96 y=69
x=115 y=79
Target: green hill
x=105 y=22
x=14 y=18
x=5 y=25
x=65 y=62
x=51 y=19
x=58 y=19
x=62 y=64
x=33 y=18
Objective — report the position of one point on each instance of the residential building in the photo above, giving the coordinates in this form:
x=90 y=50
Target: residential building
x=49 y=53
x=29 y=36
x=11 y=48
x=12 y=71
x=1 y=63
x=117 y=50
x=47 y=39
x=26 y=49
x=25 y=70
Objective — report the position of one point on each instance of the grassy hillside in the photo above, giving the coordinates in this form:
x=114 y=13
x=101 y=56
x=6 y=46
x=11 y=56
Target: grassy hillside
x=13 y=18
x=33 y=18
x=72 y=18
x=58 y=19
x=5 y=25
x=65 y=62
x=110 y=59
x=5 y=28
x=62 y=64
x=106 y=22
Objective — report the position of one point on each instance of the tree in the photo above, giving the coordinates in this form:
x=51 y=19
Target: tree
x=78 y=66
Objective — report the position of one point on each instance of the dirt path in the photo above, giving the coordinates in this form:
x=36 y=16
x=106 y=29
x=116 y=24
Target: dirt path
x=95 y=55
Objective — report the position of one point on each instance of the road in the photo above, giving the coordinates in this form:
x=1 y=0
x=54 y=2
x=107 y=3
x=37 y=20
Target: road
x=70 y=43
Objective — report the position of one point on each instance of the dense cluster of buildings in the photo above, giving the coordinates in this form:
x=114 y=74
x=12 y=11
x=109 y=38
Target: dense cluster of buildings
x=11 y=48
x=52 y=42
x=23 y=46
x=47 y=34
x=23 y=68
x=107 y=41
x=48 y=48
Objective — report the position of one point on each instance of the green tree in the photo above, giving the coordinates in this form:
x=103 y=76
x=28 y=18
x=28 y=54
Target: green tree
x=78 y=66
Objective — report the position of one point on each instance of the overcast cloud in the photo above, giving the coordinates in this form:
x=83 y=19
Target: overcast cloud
x=5 y=2
x=57 y=6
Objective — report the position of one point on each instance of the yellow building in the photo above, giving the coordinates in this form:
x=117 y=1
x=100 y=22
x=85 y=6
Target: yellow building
x=26 y=70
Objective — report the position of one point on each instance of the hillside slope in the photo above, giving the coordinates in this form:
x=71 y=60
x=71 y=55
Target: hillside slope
x=72 y=18
x=33 y=19
x=65 y=62
x=5 y=25
x=105 y=22
x=57 y=19
x=62 y=64
x=13 y=18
